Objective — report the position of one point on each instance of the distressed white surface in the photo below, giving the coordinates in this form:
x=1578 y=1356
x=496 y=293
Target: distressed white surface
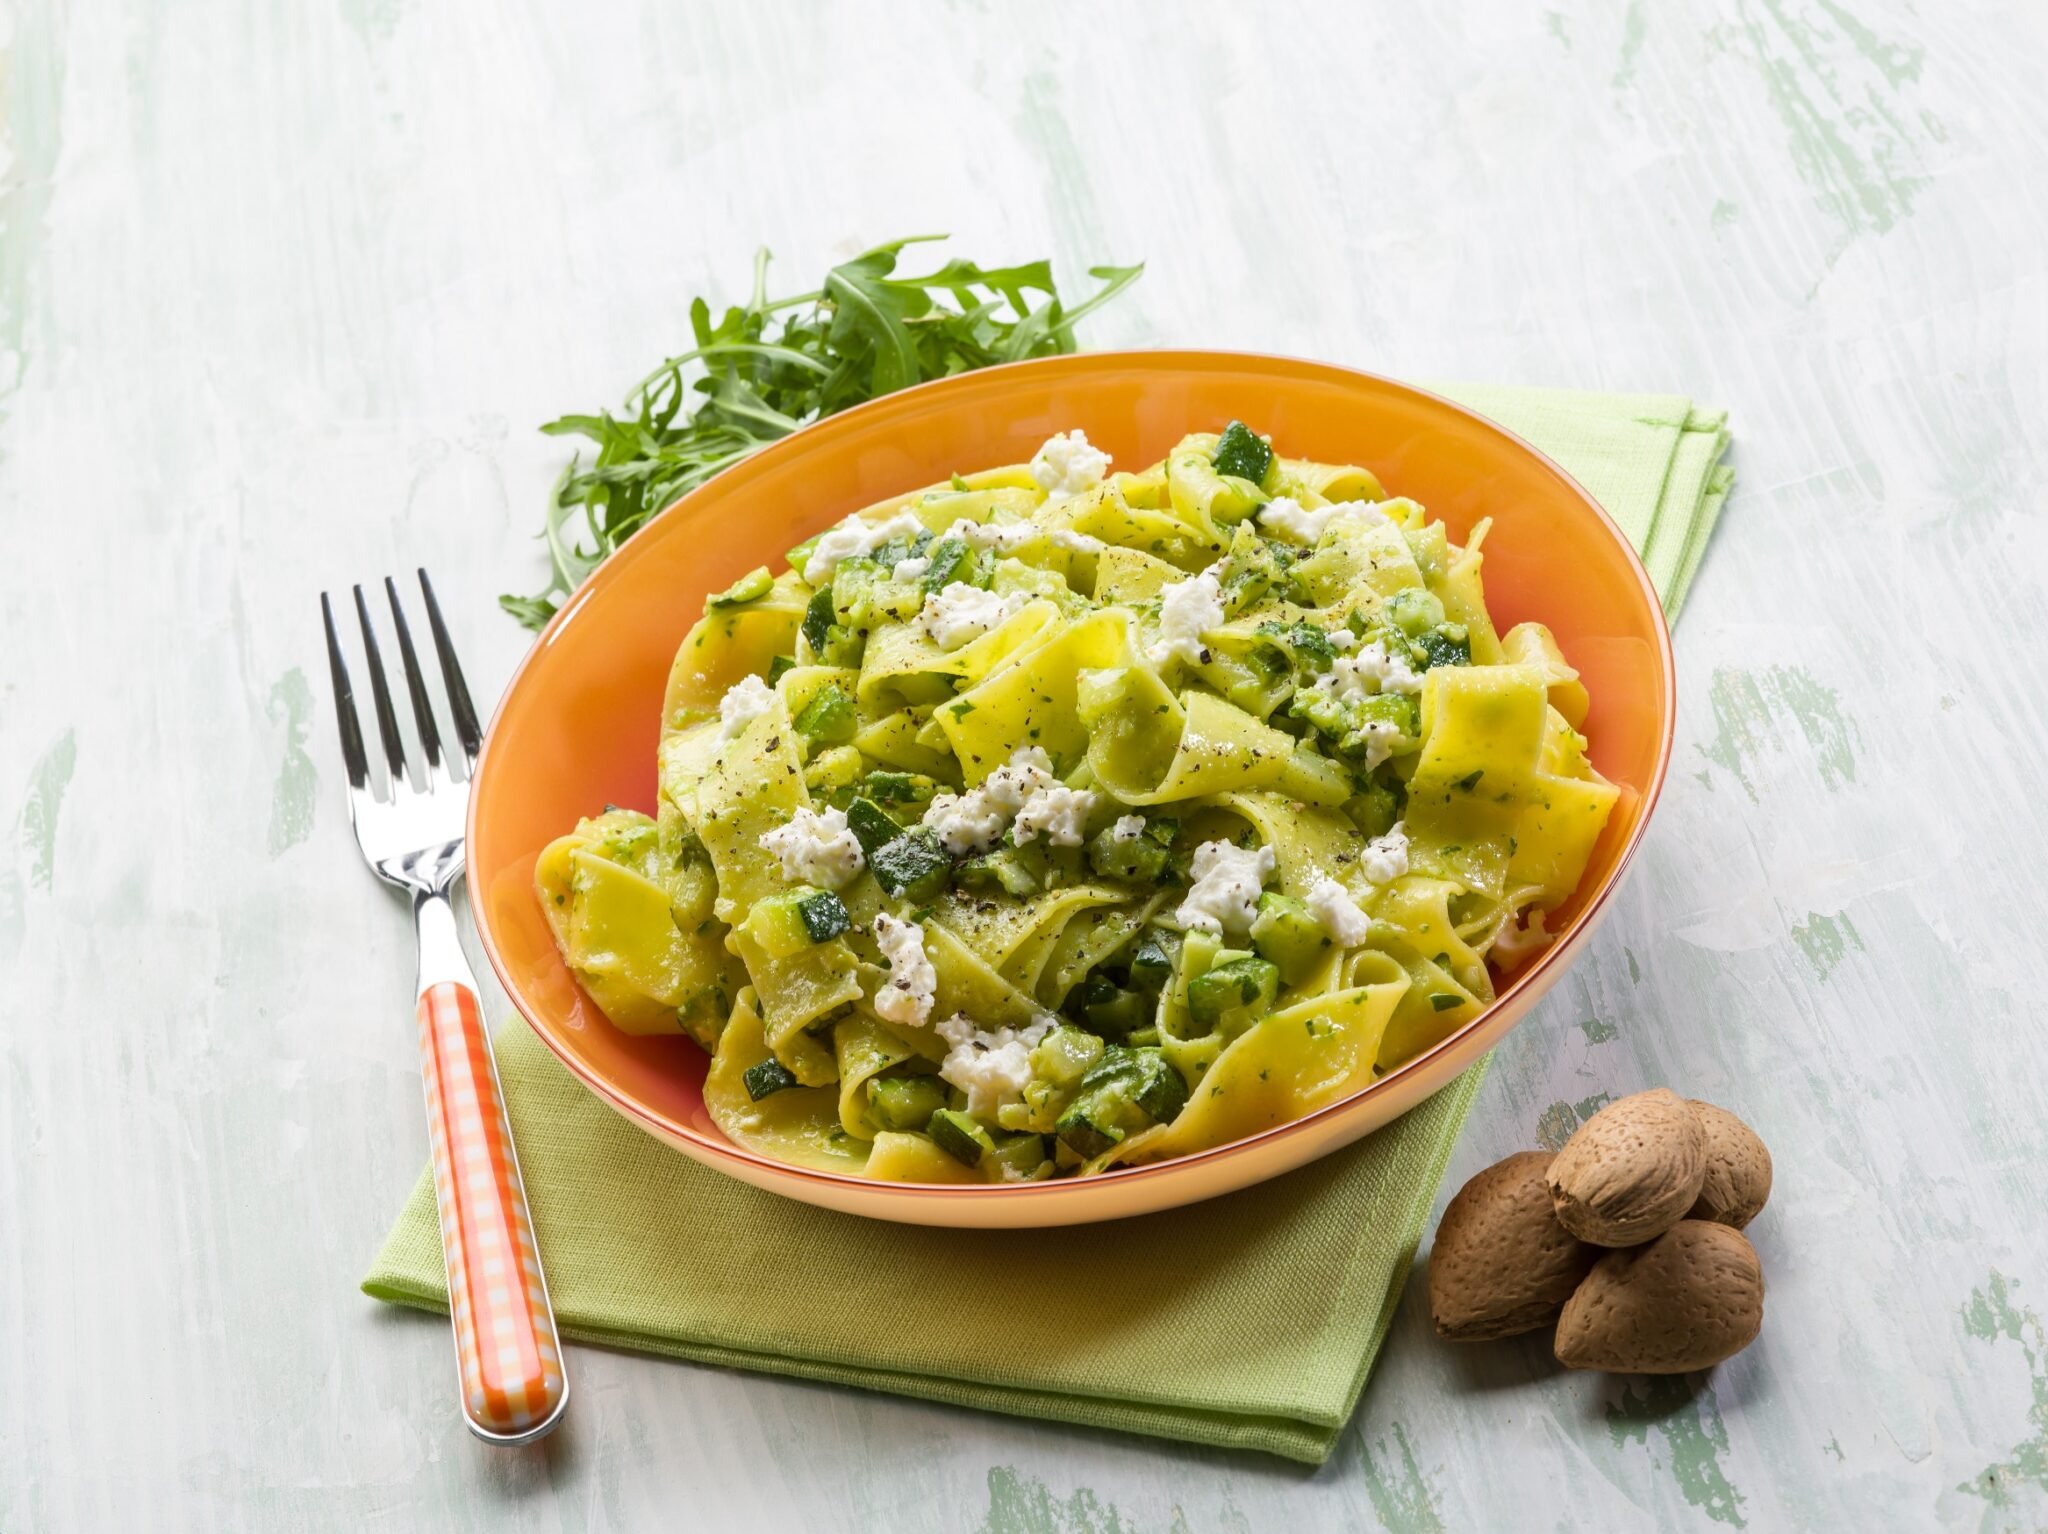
x=284 y=290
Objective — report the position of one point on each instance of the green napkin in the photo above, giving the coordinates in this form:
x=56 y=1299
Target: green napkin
x=1249 y=1321
x=1652 y=460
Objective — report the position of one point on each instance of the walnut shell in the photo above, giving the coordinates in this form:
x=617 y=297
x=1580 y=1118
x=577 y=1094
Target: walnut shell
x=1689 y=1299
x=1738 y=1180
x=1631 y=1171
x=1501 y=1263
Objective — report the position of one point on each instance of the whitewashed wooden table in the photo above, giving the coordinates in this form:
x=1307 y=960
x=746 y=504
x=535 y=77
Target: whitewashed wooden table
x=284 y=292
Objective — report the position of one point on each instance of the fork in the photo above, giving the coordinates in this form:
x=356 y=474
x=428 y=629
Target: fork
x=507 y=1353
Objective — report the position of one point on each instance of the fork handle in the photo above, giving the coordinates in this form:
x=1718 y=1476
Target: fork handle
x=508 y=1355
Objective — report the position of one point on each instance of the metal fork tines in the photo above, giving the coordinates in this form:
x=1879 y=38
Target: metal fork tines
x=410 y=824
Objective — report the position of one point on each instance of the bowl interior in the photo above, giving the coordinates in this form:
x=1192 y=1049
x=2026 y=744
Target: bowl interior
x=578 y=726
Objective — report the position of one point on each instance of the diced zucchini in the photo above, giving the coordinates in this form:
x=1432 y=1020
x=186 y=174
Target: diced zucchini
x=1269 y=662
x=960 y=1136
x=1039 y=1110
x=1236 y=983
x=827 y=639
x=1400 y=709
x=1213 y=991
x=751 y=587
x=1152 y=962
x=769 y=1077
x=871 y=826
x=824 y=914
x=1125 y=1091
x=891 y=554
x=1376 y=807
x=913 y=866
x=1139 y=860
x=1243 y=454
x=899 y=787
x=1355 y=726
x=1446 y=645
x=1002 y=870
x=1287 y=933
x=788 y=921
x=1112 y=1010
x=1065 y=1056
x=817 y=624
x=1120 y=1014
x=1414 y=610
x=828 y=718
x=1055 y=867
x=905 y=1103
x=864 y=593
x=952 y=559
x=1199 y=951
x=1080 y=1133
x=843 y=647
x=779 y=666
x=1018 y=1157
x=1158 y=1089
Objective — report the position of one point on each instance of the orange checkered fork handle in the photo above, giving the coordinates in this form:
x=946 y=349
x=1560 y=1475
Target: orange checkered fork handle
x=507 y=1353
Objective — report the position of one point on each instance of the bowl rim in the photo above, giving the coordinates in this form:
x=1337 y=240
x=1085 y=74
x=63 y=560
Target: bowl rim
x=1534 y=977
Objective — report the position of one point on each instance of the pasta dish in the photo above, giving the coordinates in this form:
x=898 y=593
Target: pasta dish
x=1053 y=819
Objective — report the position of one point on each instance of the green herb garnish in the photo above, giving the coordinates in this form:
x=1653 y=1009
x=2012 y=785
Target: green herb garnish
x=777 y=364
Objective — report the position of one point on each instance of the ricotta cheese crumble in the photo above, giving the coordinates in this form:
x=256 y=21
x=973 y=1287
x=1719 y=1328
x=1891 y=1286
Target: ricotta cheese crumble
x=1068 y=465
x=1022 y=794
x=852 y=539
x=1338 y=912
x=1187 y=610
x=744 y=702
x=1225 y=894
x=991 y=1067
x=816 y=848
x=1385 y=858
x=907 y=995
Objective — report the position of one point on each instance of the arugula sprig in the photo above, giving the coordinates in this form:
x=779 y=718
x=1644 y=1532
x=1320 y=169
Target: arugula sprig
x=771 y=365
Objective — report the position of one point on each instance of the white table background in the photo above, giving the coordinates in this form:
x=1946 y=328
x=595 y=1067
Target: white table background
x=285 y=290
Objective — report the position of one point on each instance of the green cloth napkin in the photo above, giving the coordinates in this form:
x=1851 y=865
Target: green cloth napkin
x=1652 y=460
x=1249 y=1321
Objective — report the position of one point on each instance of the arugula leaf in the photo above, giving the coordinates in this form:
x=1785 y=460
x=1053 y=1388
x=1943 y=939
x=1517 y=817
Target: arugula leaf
x=759 y=371
x=872 y=316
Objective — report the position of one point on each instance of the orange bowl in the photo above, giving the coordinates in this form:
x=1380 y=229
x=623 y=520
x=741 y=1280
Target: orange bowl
x=578 y=725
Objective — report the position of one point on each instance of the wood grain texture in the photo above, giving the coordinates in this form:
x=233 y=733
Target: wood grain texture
x=284 y=291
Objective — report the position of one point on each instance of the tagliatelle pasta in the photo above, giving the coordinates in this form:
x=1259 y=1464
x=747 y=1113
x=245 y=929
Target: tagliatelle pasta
x=1055 y=819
